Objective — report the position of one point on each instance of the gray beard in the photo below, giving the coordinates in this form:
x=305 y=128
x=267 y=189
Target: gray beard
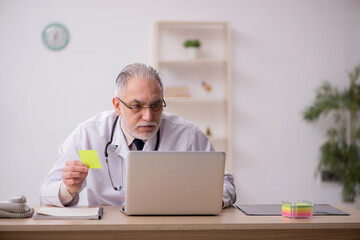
x=134 y=133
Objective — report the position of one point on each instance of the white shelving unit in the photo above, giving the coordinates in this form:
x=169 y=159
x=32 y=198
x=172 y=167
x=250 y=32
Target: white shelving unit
x=208 y=110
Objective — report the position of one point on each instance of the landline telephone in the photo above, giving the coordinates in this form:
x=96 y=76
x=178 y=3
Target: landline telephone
x=16 y=207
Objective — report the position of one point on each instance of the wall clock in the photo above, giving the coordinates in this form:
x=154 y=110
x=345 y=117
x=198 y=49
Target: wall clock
x=55 y=36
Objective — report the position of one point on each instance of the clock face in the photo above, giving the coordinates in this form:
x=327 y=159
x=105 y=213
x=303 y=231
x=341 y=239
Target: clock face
x=55 y=36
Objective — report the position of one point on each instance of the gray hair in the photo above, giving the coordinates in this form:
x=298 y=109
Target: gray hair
x=138 y=71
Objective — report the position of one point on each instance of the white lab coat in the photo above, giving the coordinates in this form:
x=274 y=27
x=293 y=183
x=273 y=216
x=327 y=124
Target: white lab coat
x=176 y=134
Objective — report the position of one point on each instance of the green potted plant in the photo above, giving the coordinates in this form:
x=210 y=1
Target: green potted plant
x=340 y=154
x=192 y=46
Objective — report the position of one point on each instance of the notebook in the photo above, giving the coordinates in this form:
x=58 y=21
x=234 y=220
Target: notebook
x=174 y=183
x=76 y=213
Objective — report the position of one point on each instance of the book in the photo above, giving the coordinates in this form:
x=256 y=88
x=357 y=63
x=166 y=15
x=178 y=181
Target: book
x=74 y=213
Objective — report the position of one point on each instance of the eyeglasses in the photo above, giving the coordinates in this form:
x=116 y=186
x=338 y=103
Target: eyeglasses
x=135 y=108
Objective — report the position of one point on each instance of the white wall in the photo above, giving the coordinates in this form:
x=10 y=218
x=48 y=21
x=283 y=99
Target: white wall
x=281 y=51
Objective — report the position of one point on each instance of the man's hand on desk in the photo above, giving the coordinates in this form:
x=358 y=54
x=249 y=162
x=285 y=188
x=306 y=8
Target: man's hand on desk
x=74 y=174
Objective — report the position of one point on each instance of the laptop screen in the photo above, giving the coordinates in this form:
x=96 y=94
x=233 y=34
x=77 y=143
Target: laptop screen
x=174 y=183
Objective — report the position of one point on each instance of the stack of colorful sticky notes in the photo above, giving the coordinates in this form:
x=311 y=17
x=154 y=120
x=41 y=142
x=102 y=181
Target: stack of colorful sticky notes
x=298 y=209
x=287 y=209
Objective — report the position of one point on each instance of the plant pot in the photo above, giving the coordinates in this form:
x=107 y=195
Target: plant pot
x=192 y=52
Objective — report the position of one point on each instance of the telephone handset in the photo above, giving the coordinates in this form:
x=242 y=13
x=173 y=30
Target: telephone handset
x=16 y=207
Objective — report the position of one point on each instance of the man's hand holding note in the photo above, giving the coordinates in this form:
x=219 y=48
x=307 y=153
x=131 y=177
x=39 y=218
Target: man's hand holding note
x=75 y=172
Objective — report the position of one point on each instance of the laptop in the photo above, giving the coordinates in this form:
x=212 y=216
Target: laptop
x=174 y=183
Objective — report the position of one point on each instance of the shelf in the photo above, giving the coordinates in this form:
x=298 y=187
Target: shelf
x=182 y=23
x=219 y=143
x=193 y=61
x=171 y=100
x=217 y=139
x=206 y=110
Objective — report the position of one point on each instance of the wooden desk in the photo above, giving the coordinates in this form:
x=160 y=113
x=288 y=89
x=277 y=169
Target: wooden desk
x=230 y=224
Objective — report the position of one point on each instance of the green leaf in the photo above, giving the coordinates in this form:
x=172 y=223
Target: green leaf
x=192 y=43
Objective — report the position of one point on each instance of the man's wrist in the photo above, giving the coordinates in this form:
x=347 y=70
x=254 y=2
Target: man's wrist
x=64 y=194
x=70 y=192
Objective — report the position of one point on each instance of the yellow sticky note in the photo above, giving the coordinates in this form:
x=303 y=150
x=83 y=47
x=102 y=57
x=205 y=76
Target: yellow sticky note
x=90 y=158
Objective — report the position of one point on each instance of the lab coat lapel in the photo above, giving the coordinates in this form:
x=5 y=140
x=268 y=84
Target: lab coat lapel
x=150 y=144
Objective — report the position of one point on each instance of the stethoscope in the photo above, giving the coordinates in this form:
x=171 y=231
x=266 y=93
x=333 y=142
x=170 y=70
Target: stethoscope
x=106 y=154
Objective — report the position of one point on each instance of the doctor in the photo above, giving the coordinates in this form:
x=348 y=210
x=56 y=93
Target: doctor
x=138 y=123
